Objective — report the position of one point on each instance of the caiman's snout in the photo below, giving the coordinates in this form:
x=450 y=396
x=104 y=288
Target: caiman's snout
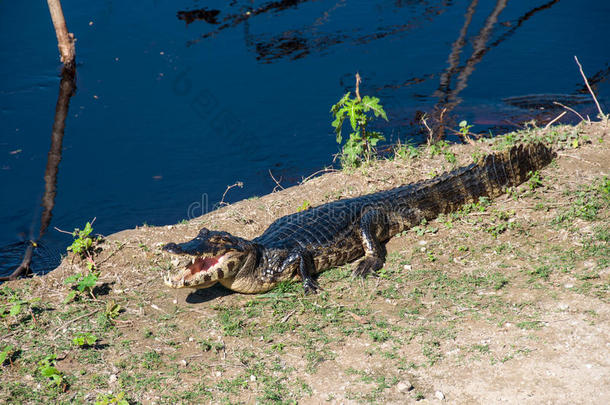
x=210 y=257
x=173 y=248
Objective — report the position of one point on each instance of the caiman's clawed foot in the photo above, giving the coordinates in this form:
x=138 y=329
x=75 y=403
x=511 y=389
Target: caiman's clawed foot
x=367 y=266
x=310 y=286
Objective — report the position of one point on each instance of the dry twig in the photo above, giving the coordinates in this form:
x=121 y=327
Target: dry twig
x=276 y=182
x=589 y=87
x=222 y=200
x=325 y=170
x=571 y=109
x=76 y=319
x=554 y=120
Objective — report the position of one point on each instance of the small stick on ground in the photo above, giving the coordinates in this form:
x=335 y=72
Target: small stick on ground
x=76 y=319
x=325 y=170
x=430 y=131
x=222 y=200
x=589 y=87
x=554 y=120
x=276 y=181
x=287 y=316
x=572 y=110
x=72 y=233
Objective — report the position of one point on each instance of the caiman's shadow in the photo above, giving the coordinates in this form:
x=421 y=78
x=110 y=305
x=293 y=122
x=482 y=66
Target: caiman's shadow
x=208 y=294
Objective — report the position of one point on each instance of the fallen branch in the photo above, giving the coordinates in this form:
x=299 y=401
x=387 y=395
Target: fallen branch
x=76 y=319
x=430 y=131
x=589 y=87
x=222 y=200
x=276 y=181
x=556 y=118
x=325 y=170
x=287 y=316
x=571 y=109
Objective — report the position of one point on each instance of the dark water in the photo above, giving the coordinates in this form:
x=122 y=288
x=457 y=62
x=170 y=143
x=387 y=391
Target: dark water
x=172 y=106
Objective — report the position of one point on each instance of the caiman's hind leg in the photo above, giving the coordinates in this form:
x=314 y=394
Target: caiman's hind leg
x=374 y=251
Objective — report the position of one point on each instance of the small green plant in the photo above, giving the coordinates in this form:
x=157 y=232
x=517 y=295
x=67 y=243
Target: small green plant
x=442 y=147
x=405 y=151
x=304 y=207
x=112 y=310
x=15 y=304
x=535 y=180
x=109 y=399
x=360 y=111
x=6 y=353
x=477 y=156
x=82 y=283
x=46 y=368
x=84 y=339
x=83 y=243
x=464 y=128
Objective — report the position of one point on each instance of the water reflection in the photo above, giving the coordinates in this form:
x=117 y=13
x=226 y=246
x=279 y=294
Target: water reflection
x=299 y=42
x=67 y=87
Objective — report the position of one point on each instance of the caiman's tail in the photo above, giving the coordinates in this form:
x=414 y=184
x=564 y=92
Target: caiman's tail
x=489 y=178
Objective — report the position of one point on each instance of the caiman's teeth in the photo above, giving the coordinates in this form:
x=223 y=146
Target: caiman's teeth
x=193 y=260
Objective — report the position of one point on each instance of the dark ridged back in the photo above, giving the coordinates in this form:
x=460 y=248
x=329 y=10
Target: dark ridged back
x=405 y=206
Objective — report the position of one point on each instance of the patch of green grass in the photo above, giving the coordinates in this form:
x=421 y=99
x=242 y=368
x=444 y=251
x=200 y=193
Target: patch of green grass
x=543 y=272
x=588 y=202
x=535 y=180
x=431 y=349
x=405 y=151
x=151 y=360
x=530 y=325
x=110 y=399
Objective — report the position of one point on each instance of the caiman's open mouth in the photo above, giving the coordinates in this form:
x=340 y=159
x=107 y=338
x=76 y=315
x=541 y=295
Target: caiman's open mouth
x=199 y=271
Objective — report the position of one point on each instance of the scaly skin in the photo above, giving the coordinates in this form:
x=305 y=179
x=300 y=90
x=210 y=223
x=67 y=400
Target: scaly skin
x=301 y=245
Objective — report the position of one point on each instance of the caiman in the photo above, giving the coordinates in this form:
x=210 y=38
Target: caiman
x=301 y=245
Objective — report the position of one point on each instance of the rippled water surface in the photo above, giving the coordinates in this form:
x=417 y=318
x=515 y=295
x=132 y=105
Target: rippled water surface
x=176 y=100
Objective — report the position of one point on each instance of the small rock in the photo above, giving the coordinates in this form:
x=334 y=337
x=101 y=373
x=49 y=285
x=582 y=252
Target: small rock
x=252 y=378
x=218 y=374
x=422 y=243
x=568 y=285
x=404 y=386
x=407 y=267
x=170 y=227
x=183 y=363
x=112 y=379
x=439 y=395
x=175 y=301
x=191 y=339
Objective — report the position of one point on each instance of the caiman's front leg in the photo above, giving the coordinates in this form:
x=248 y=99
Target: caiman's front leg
x=372 y=224
x=306 y=269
